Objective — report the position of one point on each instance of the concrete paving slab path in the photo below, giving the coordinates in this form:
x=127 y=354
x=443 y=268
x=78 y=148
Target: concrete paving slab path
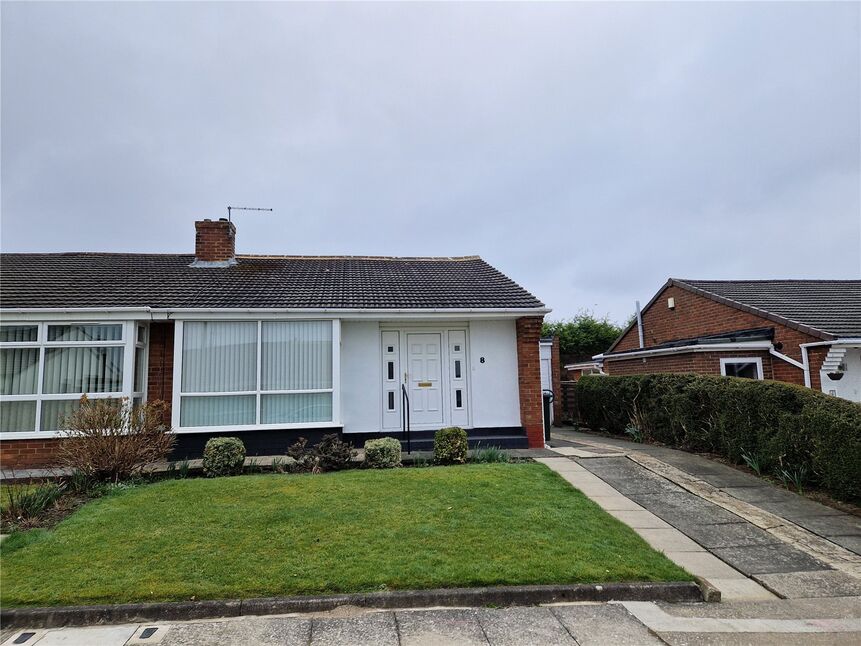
x=727 y=535
x=569 y=624
x=669 y=540
x=604 y=624
x=449 y=627
x=265 y=631
x=768 y=559
x=640 y=519
x=817 y=584
x=524 y=627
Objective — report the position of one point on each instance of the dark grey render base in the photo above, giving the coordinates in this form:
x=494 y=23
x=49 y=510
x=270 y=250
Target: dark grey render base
x=276 y=441
x=524 y=595
x=189 y=446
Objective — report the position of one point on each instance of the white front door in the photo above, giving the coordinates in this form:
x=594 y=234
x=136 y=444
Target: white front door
x=424 y=361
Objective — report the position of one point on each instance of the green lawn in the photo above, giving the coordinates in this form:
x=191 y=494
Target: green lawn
x=352 y=531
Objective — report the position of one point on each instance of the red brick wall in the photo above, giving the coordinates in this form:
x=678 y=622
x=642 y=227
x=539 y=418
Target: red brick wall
x=160 y=365
x=24 y=454
x=215 y=240
x=705 y=363
x=696 y=315
x=529 y=378
x=556 y=377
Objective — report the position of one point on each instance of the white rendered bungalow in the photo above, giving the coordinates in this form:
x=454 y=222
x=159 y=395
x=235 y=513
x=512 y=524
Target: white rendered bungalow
x=268 y=348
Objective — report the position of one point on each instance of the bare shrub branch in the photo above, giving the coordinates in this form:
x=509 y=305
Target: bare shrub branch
x=108 y=440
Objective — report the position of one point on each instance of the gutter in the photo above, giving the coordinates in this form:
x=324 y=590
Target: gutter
x=159 y=313
x=709 y=347
x=803 y=365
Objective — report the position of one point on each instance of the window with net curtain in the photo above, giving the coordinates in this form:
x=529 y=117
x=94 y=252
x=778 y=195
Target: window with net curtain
x=222 y=385
x=68 y=371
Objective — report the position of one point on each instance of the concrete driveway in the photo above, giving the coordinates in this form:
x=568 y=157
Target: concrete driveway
x=752 y=540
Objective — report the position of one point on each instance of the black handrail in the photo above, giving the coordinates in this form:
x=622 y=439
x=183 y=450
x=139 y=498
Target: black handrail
x=405 y=414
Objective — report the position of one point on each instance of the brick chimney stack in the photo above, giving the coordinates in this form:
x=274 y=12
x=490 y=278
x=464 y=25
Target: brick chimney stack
x=214 y=243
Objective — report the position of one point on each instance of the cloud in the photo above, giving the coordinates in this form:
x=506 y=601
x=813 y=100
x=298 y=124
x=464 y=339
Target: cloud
x=590 y=151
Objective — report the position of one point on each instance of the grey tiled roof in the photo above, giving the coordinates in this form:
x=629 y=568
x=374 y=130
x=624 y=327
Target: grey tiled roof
x=829 y=306
x=87 y=280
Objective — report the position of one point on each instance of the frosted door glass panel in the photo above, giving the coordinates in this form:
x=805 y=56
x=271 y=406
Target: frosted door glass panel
x=295 y=409
x=219 y=357
x=19 y=371
x=17 y=416
x=85 y=333
x=229 y=410
x=296 y=355
x=83 y=370
x=18 y=333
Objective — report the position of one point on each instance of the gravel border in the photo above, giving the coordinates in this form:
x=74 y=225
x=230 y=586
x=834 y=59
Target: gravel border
x=55 y=617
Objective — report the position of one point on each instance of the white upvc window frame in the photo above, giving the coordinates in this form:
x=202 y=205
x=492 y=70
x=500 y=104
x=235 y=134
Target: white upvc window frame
x=142 y=344
x=757 y=360
x=127 y=342
x=178 y=394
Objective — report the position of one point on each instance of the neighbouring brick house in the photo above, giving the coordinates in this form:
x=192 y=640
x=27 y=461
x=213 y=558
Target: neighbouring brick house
x=805 y=332
x=268 y=348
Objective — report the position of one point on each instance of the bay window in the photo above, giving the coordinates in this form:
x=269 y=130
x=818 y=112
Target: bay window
x=45 y=368
x=252 y=373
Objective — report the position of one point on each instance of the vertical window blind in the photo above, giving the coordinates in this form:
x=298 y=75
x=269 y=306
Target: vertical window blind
x=223 y=385
x=74 y=359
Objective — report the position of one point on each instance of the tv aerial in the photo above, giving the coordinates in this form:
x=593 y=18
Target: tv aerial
x=243 y=208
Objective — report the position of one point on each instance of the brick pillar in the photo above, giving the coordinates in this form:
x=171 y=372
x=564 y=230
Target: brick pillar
x=816 y=357
x=529 y=379
x=160 y=364
x=556 y=378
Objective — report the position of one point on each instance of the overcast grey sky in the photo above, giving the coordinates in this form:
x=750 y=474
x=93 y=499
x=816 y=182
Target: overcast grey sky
x=589 y=151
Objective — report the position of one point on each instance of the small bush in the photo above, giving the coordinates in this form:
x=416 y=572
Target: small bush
x=450 y=446
x=333 y=453
x=110 y=442
x=298 y=449
x=223 y=456
x=796 y=434
x=490 y=455
x=384 y=453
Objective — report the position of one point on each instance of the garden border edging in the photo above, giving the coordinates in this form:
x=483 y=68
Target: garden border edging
x=50 y=617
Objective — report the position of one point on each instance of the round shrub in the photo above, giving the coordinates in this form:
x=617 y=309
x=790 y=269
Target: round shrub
x=384 y=453
x=223 y=456
x=450 y=446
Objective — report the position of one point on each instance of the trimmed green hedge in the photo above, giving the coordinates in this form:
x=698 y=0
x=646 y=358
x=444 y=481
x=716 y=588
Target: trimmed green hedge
x=782 y=427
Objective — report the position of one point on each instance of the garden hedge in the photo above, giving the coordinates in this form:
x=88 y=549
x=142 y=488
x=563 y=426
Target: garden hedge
x=783 y=427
